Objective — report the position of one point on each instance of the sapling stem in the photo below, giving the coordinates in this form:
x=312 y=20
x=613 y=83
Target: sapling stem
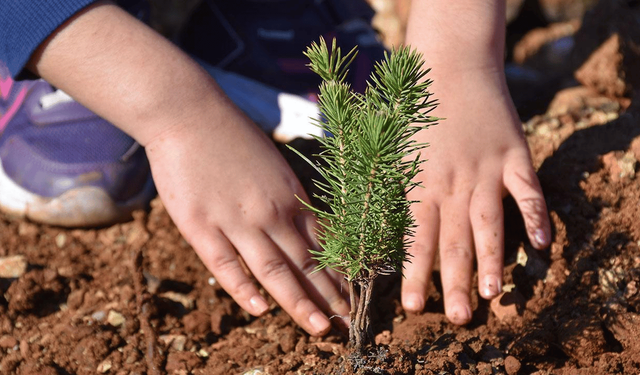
x=370 y=160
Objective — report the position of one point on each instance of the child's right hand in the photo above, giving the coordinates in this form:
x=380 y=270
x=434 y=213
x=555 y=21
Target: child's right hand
x=232 y=195
x=222 y=181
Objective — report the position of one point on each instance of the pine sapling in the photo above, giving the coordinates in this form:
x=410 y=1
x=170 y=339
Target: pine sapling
x=368 y=162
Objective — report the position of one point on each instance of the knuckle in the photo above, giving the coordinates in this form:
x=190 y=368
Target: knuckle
x=222 y=263
x=228 y=268
x=308 y=267
x=457 y=291
x=524 y=178
x=267 y=213
x=456 y=251
x=274 y=268
x=241 y=290
x=488 y=253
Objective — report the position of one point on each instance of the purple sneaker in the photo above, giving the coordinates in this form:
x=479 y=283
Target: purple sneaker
x=61 y=164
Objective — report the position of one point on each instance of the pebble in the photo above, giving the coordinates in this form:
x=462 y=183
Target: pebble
x=255 y=371
x=12 y=267
x=115 y=318
x=177 y=342
x=98 y=315
x=104 y=366
x=61 y=240
x=512 y=365
x=182 y=299
x=153 y=283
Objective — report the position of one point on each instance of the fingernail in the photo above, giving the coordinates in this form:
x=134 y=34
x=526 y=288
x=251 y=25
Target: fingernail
x=413 y=303
x=540 y=237
x=492 y=286
x=258 y=304
x=461 y=314
x=319 y=322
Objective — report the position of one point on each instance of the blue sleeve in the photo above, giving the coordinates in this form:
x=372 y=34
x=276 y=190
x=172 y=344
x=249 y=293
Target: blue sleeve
x=25 y=24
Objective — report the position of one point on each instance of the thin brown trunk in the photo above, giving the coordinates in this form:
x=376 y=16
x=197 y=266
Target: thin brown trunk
x=354 y=308
x=360 y=333
x=367 y=329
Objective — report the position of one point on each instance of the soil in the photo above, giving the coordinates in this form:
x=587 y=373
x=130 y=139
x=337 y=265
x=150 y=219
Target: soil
x=134 y=298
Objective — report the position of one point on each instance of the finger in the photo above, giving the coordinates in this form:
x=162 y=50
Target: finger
x=220 y=257
x=417 y=272
x=267 y=263
x=487 y=224
x=307 y=225
x=319 y=284
x=456 y=259
x=522 y=182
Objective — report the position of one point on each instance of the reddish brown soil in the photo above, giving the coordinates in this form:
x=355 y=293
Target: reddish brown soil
x=134 y=298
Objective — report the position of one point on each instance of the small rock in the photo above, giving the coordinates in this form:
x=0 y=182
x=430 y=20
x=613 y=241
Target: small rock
x=512 y=365
x=12 y=267
x=177 y=342
x=508 y=305
x=115 y=318
x=203 y=353
x=61 y=240
x=75 y=299
x=255 y=371
x=153 y=283
x=182 y=299
x=98 y=315
x=104 y=366
x=137 y=235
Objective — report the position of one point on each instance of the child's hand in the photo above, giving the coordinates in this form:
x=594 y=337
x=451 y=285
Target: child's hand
x=224 y=184
x=476 y=155
x=232 y=196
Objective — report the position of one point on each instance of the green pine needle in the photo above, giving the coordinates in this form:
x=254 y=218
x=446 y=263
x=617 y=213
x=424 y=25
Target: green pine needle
x=369 y=159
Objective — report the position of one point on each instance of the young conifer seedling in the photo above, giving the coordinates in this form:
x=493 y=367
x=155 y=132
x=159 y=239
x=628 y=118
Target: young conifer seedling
x=369 y=160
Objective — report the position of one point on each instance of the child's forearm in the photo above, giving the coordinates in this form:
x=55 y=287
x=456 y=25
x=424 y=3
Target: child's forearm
x=458 y=35
x=128 y=74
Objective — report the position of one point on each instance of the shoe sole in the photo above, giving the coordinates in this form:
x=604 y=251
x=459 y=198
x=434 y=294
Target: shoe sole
x=80 y=207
